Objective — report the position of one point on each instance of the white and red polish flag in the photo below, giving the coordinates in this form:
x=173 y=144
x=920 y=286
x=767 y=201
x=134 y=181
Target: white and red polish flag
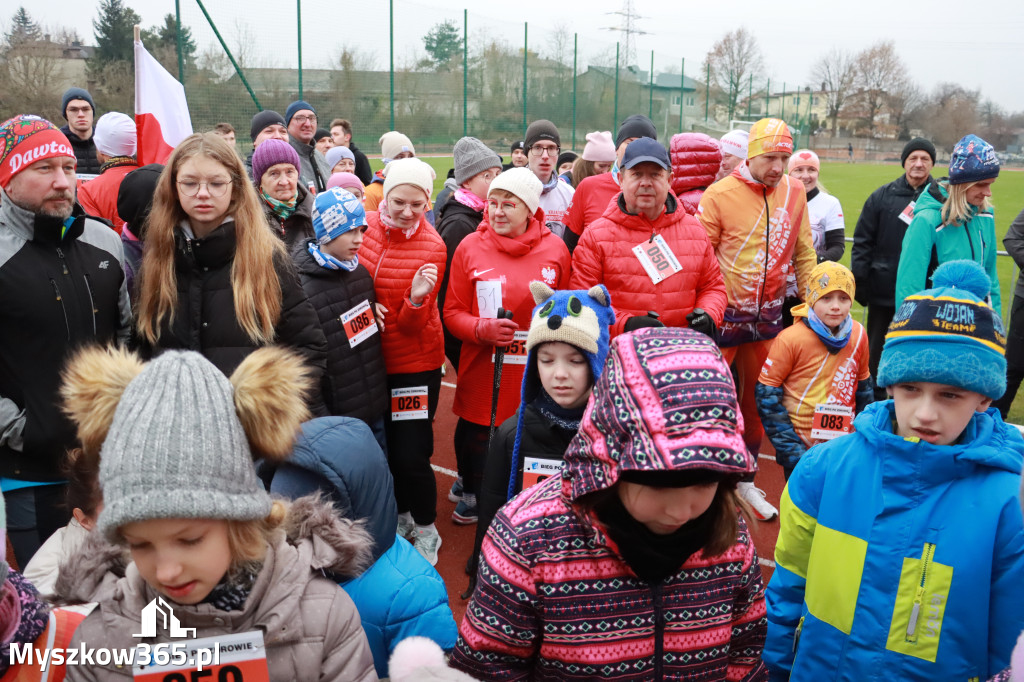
x=161 y=112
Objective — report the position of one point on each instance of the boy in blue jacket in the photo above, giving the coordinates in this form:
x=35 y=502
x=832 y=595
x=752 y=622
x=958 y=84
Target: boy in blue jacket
x=901 y=549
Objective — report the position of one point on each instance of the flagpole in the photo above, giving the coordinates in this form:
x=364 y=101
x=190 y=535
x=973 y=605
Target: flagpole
x=138 y=32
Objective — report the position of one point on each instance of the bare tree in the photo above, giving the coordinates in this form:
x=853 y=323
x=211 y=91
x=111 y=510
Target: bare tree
x=953 y=112
x=878 y=69
x=903 y=100
x=734 y=59
x=837 y=72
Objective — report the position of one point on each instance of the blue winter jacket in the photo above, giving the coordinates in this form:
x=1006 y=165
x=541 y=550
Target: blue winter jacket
x=899 y=560
x=400 y=595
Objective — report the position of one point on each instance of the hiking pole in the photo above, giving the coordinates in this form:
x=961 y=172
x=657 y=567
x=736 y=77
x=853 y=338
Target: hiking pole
x=499 y=361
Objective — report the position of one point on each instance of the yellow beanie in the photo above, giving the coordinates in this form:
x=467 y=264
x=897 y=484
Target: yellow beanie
x=827 y=277
x=768 y=136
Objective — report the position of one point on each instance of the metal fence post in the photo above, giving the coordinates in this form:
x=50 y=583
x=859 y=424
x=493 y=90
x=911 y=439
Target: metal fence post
x=682 y=92
x=178 y=40
x=767 y=97
x=575 y=39
x=707 y=93
x=526 y=52
x=750 y=94
x=465 y=72
x=783 y=114
x=615 y=119
x=650 y=98
x=391 y=48
x=298 y=18
x=231 y=57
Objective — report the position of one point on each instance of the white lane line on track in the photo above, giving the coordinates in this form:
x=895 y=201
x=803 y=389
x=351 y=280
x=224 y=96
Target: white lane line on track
x=443 y=470
x=448 y=384
x=766 y=562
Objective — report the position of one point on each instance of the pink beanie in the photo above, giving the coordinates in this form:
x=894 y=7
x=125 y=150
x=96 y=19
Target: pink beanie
x=344 y=180
x=804 y=157
x=599 y=147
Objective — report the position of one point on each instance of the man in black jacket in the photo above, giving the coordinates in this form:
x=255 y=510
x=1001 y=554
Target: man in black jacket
x=878 y=242
x=62 y=286
x=341 y=131
x=79 y=111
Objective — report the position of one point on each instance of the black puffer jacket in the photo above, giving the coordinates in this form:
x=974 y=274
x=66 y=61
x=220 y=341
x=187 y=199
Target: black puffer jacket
x=296 y=228
x=355 y=383
x=85 y=152
x=205 y=317
x=878 y=241
x=456 y=222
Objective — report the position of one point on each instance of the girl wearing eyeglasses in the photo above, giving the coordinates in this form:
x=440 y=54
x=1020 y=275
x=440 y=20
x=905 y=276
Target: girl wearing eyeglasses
x=492 y=268
x=204 y=283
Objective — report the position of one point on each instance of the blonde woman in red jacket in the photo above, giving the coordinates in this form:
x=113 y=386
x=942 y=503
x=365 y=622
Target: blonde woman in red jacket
x=492 y=268
x=406 y=257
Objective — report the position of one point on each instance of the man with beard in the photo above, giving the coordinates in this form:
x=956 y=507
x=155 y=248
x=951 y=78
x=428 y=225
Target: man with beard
x=62 y=286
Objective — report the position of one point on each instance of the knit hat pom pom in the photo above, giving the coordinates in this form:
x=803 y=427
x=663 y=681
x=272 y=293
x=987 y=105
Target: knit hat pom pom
x=963 y=274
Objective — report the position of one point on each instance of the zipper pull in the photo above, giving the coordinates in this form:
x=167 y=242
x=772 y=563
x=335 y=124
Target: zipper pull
x=915 y=612
x=651 y=240
x=63 y=263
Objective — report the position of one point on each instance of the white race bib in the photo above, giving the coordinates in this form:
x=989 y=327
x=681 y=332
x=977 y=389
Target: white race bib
x=240 y=657
x=831 y=421
x=657 y=259
x=515 y=352
x=488 y=297
x=359 y=323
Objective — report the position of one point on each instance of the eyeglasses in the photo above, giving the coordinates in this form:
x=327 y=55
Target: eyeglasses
x=216 y=188
x=538 y=150
x=305 y=118
x=506 y=206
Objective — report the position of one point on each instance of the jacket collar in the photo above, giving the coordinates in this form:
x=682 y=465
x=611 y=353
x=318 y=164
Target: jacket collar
x=516 y=246
x=24 y=225
x=213 y=250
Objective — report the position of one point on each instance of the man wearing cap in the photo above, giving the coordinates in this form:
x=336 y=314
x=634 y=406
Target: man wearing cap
x=62 y=286
x=757 y=221
x=301 y=121
x=653 y=256
x=519 y=159
x=543 y=145
x=734 y=151
x=266 y=125
x=595 y=193
x=79 y=110
x=878 y=243
x=116 y=140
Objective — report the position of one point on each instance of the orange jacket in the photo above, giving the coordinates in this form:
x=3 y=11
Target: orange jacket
x=758 y=234
x=605 y=256
x=412 y=340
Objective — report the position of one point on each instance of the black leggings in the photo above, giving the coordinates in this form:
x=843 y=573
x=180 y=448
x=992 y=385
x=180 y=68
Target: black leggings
x=1014 y=356
x=410 y=447
x=471 y=453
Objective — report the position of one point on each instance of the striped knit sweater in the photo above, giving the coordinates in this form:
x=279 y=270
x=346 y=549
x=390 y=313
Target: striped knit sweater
x=555 y=601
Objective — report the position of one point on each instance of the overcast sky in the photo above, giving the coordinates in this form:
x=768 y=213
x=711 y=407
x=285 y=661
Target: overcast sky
x=977 y=46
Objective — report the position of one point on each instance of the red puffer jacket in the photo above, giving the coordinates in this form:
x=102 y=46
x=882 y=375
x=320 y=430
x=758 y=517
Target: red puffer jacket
x=510 y=263
x=696 y=158
x=605 y=256
x=412 y=340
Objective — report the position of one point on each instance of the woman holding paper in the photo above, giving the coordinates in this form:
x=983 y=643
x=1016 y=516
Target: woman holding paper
x=492 y=269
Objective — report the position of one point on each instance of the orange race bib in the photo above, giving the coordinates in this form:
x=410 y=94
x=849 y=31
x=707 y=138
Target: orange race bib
x=515 y=352
x=359 y=324
x=409 y=403
x=536 y=470
x=657 y=259
x=831 y=421
x=239 y=657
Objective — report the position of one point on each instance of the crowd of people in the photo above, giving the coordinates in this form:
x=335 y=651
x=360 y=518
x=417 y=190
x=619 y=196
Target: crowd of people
x=219 y=377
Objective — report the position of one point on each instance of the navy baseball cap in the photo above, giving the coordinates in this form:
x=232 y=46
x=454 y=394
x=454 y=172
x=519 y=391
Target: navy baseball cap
x=646 y=150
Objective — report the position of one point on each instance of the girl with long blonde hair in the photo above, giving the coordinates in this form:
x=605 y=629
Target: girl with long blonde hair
x=214 y=278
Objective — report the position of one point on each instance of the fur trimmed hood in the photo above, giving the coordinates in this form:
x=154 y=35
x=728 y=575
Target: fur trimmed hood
x=314 y=538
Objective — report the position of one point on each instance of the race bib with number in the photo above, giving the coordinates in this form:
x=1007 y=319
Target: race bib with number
x=409 y=403
x=536 y=470
x=515 y=352
x=657 y=259
x=488 y=297
x=907 y=215
x=239 y=657
x=831 y=421
x=359 y=323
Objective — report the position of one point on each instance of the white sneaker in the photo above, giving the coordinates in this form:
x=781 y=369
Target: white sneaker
x=755 y=497
x=405 y=528
x=427 y=541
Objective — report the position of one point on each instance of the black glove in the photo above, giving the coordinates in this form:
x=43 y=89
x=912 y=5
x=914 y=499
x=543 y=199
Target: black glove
x=700 y=321
x=641 y=321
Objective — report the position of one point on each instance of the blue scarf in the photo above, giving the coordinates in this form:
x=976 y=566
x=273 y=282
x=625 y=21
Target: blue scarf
x=834 y=342
x=553 y=183
x=325 y=260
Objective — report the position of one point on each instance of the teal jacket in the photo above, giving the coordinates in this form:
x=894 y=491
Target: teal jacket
x=928 y=244
x=899 y=560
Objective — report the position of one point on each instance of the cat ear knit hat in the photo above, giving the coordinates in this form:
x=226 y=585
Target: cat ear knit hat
x=948 y=335
x=578 y=318
x=178 y=437
x=665 y=402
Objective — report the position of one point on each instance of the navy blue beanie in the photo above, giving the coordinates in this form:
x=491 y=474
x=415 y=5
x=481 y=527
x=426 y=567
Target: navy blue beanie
x=296 y=107
x=973 y=159
x=75 y=93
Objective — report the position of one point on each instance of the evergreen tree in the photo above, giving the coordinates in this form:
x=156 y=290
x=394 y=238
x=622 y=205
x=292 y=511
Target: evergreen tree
x=113 y=31
x=23 y=29
x=444 y=45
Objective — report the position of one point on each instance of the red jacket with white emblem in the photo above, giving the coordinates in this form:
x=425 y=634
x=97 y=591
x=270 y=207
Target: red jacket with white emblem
x=605 y=256
x=512 y=263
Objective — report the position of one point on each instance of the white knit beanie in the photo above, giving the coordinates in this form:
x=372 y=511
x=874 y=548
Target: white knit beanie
x=409 y=172
x=393 y=143
x=735 y=143
x=115 y=135
x=521 y=182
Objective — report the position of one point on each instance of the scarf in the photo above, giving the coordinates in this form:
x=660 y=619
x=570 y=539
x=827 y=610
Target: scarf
x=329 y=262
x=563 y=417
x=551 y=183
x=834 y=342
x=615 y=172
x=230 y=593
x=115 y=161
x=282 y=209
x=386 y=220
x=652 y=556
x=467 y=198
x=23 y=615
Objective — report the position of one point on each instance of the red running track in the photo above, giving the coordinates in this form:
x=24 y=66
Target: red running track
x=457 y=541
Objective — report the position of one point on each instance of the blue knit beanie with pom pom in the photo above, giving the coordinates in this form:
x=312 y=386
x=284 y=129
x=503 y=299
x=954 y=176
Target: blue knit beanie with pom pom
x=948 y=335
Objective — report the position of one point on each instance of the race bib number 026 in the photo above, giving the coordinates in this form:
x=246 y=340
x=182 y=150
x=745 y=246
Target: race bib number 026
x=831 y=421
x=409 y=403
x=224 y=658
